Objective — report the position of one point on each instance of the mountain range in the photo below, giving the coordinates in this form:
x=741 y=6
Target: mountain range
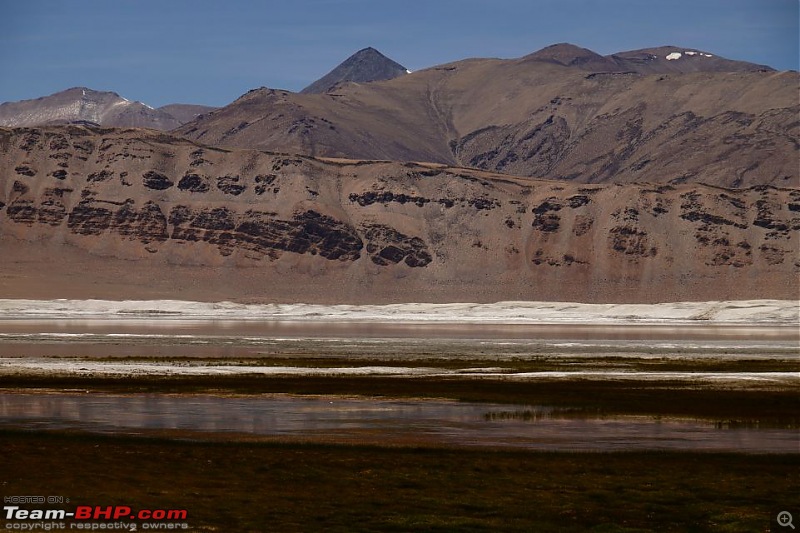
x=662 y=174
x=81 y=105
x=665 y=115
x=101 y=108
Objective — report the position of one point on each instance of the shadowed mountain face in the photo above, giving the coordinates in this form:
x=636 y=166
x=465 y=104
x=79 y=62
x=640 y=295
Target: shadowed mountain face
x=129 y=213
x=364 y=66
x=84 y=105
x=664 y=115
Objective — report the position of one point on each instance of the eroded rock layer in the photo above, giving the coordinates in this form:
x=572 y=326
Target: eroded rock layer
x=272 y=225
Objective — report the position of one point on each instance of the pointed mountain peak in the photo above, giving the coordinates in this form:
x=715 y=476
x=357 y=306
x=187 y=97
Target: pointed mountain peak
x=367 y=50
x=366 y=65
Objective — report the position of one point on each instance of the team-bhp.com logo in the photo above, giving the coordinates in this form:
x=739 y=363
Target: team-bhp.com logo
x=94 y=517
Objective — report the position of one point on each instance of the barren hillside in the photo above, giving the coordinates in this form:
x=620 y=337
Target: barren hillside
x=131 y=213
x=81 y=104
x=663 y=115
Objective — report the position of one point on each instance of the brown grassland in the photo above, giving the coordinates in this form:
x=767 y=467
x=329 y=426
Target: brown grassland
x=289 y=486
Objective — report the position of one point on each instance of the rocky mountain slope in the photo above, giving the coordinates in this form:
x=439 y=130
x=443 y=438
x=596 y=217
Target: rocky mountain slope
x=80 y=104
x=125 y=213
x=102 y=108
x=663 y=115
x=364 y=66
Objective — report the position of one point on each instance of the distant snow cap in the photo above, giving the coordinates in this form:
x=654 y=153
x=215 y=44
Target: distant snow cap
x=674 y=55
x=690 y=53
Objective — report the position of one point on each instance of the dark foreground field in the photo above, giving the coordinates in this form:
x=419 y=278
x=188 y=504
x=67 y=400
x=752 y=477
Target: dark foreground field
x=283 y=486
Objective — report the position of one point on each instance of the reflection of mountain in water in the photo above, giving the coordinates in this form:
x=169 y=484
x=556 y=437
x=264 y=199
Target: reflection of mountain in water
x=452 y=423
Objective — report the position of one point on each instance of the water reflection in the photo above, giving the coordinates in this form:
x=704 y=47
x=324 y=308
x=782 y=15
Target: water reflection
x=386 y=421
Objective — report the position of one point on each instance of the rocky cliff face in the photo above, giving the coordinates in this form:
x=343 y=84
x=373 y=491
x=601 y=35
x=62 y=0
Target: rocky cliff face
x=268 y=224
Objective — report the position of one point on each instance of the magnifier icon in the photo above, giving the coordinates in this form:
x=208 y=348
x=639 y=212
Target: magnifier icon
x=785 y=519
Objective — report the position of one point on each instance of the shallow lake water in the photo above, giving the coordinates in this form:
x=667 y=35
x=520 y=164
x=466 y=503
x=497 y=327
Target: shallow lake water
x=384 y=421
x=399 y=329
x=96 y=346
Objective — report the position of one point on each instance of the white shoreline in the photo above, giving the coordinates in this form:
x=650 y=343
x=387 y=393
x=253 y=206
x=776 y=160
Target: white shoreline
x=50 y=367
x=716 y=313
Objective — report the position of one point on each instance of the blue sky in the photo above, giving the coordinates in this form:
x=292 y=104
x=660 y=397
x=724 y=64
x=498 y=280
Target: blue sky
x=199 y=51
